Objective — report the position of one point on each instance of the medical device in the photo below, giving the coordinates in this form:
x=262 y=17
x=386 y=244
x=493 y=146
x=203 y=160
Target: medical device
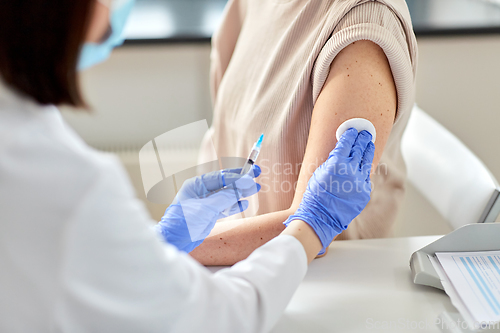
x=469 y=238
x=252 y=157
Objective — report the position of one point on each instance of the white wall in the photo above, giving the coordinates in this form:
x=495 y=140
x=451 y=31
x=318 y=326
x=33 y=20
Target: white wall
x=142 y=92
x=145 y=91
x=458 y=84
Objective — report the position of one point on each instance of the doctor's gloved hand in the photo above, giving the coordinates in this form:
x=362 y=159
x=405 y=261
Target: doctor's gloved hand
x=339 y=189
x=203 y=200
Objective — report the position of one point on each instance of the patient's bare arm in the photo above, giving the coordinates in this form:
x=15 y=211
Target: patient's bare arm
x=359 y=85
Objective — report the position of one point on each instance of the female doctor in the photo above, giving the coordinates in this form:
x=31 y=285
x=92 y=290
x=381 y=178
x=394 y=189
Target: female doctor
x=77 y=253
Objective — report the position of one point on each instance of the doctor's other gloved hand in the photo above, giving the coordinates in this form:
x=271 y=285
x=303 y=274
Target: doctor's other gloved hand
x=339 y=189
x=203 y=200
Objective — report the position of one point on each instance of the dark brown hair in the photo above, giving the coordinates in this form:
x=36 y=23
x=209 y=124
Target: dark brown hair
x=40 y=43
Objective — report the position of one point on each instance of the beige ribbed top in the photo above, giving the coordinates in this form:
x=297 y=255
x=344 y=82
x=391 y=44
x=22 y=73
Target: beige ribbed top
x=270 y=59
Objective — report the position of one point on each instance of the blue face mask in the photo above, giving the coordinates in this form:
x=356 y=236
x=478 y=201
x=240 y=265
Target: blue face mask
x=93 y=53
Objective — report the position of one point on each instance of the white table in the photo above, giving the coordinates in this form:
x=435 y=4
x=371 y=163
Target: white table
x=364 y=285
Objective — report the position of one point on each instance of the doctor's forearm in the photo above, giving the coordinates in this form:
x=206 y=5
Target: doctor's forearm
x=233 y=241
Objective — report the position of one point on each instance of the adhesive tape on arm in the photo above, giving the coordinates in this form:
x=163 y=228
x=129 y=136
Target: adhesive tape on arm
x=360 y=124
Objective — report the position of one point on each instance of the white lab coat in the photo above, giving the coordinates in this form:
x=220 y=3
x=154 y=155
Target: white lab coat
x=77 y=253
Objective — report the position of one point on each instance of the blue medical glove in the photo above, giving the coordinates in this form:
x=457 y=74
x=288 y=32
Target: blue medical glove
x=339 y=189
x=203 y=200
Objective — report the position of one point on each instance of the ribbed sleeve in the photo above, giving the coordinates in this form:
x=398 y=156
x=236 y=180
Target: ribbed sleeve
x=375 y=22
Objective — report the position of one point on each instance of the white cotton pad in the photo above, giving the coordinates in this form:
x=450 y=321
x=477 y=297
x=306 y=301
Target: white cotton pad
x=360 y=124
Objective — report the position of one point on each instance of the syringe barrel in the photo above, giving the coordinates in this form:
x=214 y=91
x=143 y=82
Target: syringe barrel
x=250 y=161
x=247 y=167
x=253 y=155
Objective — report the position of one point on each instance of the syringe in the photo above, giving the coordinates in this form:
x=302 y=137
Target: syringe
x=252 y=157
